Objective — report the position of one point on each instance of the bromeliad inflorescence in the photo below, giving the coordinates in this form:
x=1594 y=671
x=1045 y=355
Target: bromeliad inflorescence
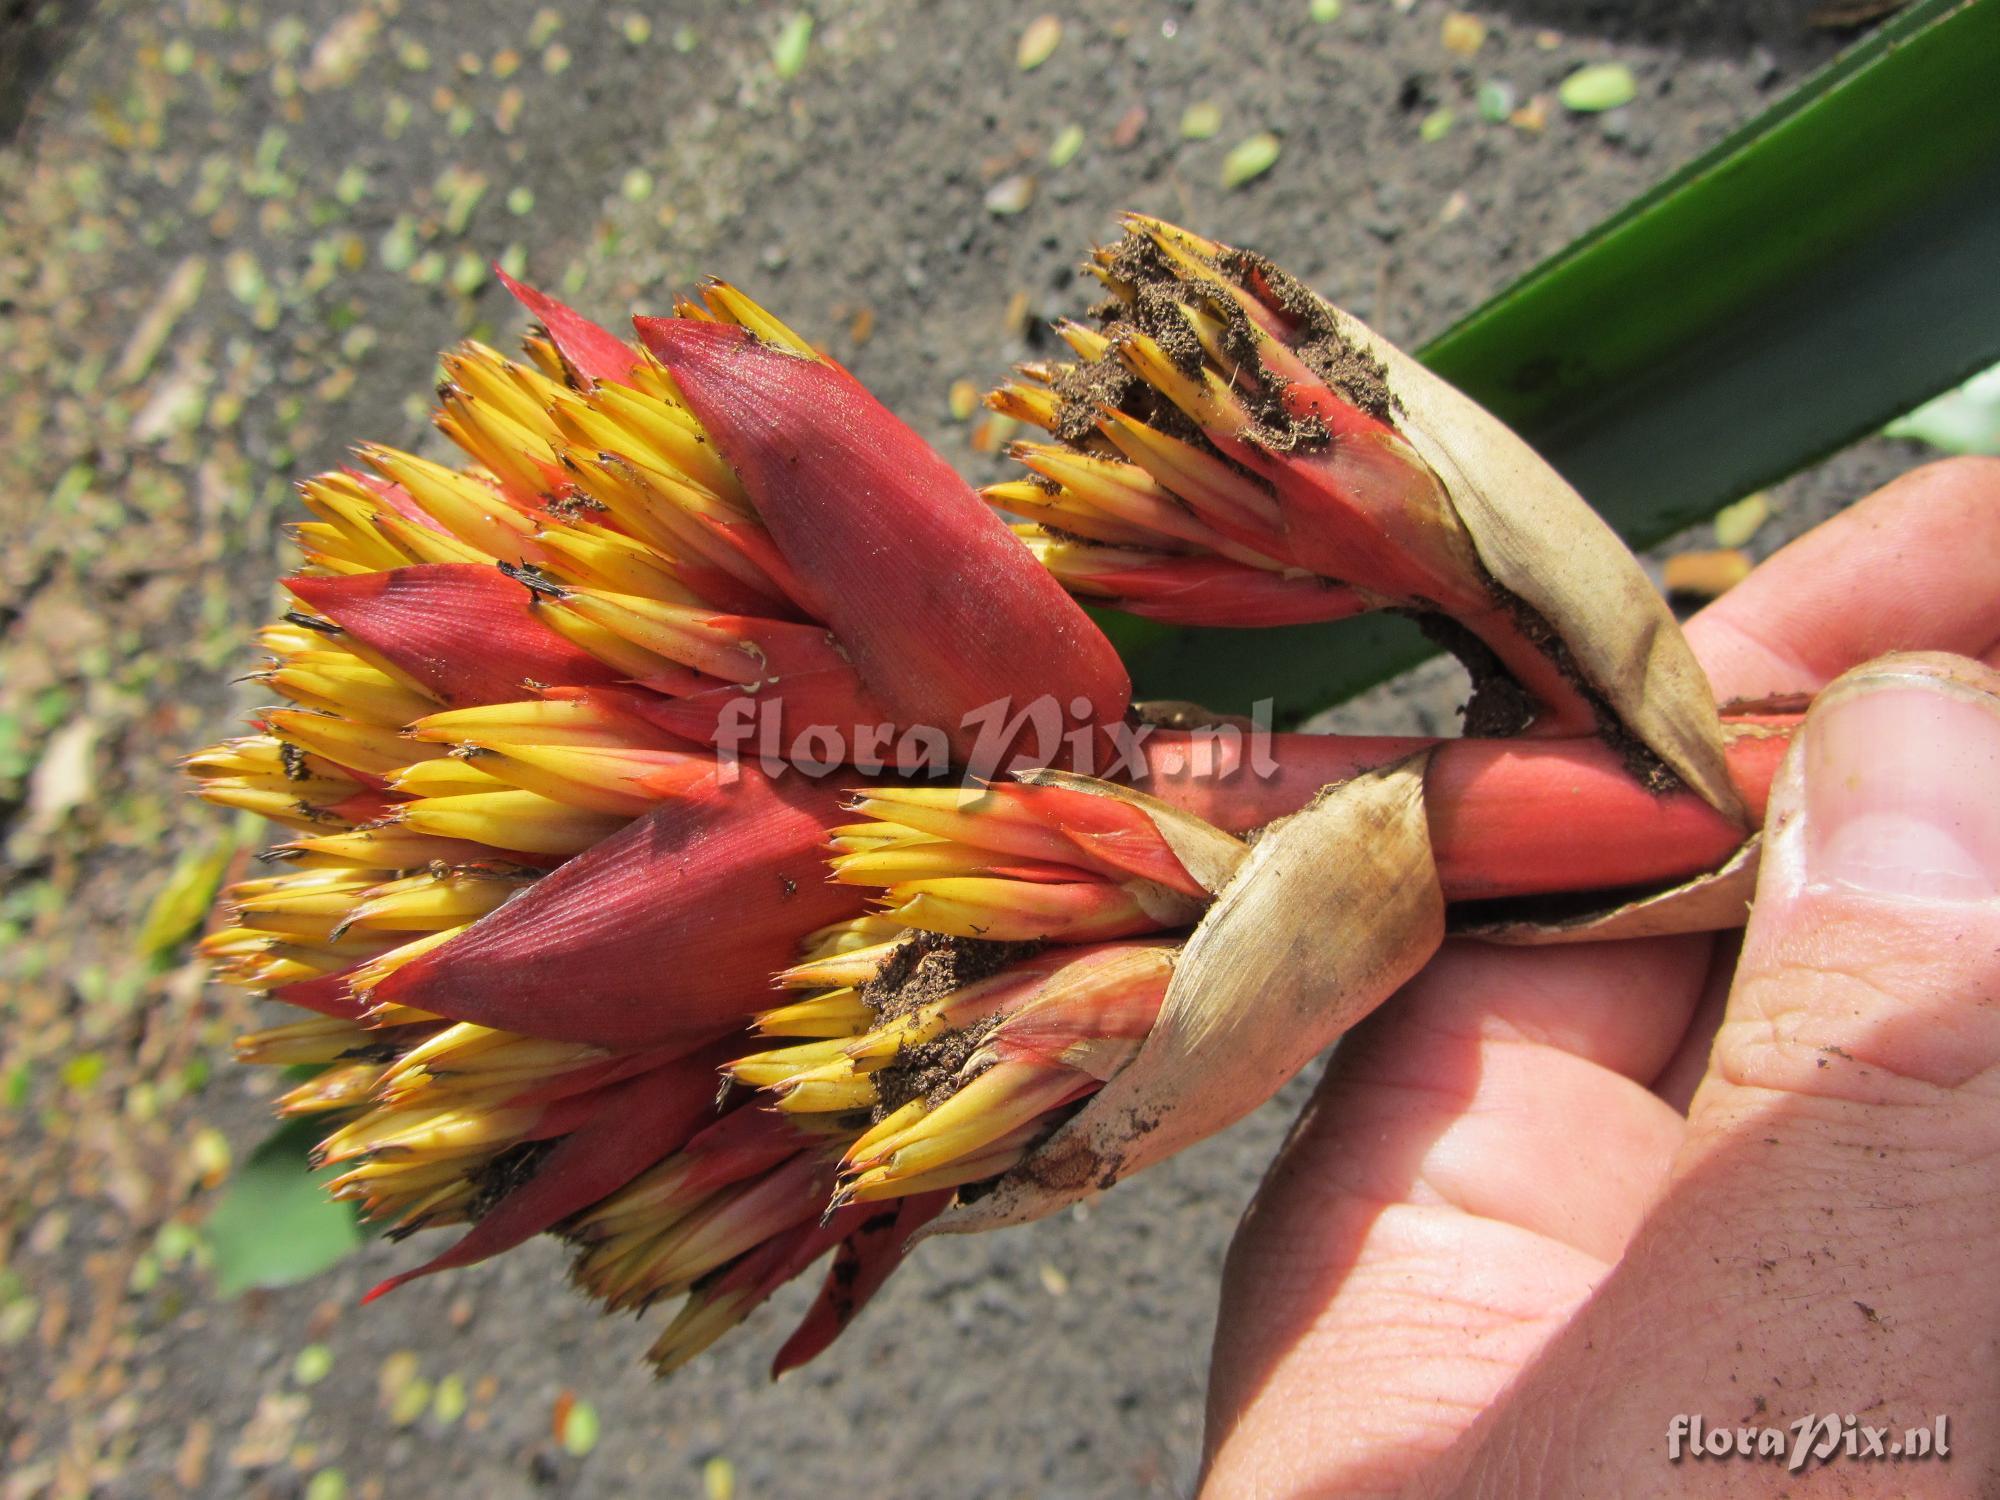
x=647 y=884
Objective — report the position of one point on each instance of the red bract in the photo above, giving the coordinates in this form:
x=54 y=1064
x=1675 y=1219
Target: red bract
x=873 y=1248
x=941 y=610
x=672 y=926
x=465 y=633
x=591 y=352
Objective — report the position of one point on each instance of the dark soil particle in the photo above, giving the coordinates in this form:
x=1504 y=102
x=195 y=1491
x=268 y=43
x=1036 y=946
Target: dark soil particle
x=1083 y=391
x=507 y=1171
x=1498 y=706
x=932 y=1071
x=1359 y=377
x=927 y=966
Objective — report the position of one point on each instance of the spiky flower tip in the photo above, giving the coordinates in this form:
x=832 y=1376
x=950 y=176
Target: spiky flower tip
x=964 y=1054
x=1048 y=863
x=1221 y=452
x=526 y=910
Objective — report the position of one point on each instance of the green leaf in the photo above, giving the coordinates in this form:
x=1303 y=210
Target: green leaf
x=1038 y=43
x=275 y=1226
x=580 y=1429
x=179 y=907
x=1068 y=141
x=1200 y=121
x=1602 y=86
x=788 y=52
x=1825 y=269
x=1251 y=158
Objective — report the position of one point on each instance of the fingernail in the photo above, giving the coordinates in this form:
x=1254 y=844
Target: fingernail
x=1902 y=785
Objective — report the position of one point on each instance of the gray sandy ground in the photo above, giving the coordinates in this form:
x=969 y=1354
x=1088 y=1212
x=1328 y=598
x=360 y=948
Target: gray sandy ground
x=235 y=236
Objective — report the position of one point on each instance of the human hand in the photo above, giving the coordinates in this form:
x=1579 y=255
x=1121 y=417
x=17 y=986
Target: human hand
x=1546 y=1200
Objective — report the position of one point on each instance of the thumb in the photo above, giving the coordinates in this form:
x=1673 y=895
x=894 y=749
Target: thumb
x=1869 y=972
x=1823 y=1241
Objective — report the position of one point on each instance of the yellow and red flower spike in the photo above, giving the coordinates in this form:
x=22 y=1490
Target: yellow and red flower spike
x=1217 y=380
x=589 y=353
x=966 y=871
x=509 y=667
x=1184 y=590
x=978 y=1098
x=741 y=1181
x=863 y=1260
x=839 y=1073
x=1015 y=863
x=623 y=1129
x=732 y=1294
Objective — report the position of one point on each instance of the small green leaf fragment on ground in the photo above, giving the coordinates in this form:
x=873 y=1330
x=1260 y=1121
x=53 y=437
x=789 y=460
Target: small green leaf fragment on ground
x=1496 y=100
x=1436 y=125
x=788 y=52
x=1324 y=11
x=718 y=1479
x=1736 y=524
x=1063 y=149
x=1200 y=121
x=520 y=200
x=1038 y=43
x=448 y=1403
x=636 y=186
x=1250 y=159
x=1599 y=87
x=410 y=1403
x=327 y=1484
x=580 y=1429
x=179 y=907
x=312 y=1364
x=397 y=249
x=468 y=273
x=81 y=1072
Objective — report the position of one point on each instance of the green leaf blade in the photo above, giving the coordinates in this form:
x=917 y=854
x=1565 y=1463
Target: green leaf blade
x=274 y=1226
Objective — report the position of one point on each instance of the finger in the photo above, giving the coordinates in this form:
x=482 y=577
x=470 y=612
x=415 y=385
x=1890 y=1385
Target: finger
x=1421 y=1234
x=1840 y=1186
x=1339 y=1243
x=1677 y=1081
x=1910 y=568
